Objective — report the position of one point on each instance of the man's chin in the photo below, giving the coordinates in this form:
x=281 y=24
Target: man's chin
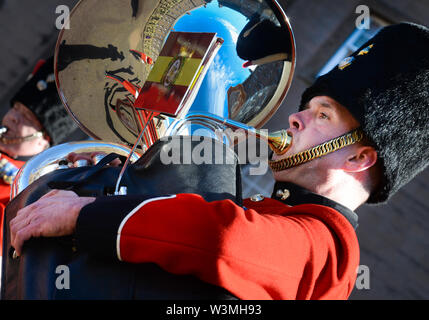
x=7 y=150
x=277 y=157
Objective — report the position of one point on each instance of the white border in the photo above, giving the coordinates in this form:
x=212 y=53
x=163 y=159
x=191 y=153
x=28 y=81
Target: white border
x=129 y=215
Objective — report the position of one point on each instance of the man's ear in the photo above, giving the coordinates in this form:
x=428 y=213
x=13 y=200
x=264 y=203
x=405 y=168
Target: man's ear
x=362 y=158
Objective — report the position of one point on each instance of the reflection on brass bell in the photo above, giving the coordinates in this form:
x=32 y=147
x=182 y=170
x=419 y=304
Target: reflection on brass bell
x=131 y=51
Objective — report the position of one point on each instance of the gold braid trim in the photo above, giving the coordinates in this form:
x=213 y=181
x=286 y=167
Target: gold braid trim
x=318 y=151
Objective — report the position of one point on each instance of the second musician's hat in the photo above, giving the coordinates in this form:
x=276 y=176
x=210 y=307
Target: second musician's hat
x=259 y=42
x=385 y=85
x=40 y=95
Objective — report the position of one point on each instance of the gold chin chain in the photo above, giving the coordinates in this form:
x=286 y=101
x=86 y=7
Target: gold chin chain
x=319 y=151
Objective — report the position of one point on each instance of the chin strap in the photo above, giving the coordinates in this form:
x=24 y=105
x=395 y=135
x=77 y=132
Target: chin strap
x=16 y=140
x=330 y=146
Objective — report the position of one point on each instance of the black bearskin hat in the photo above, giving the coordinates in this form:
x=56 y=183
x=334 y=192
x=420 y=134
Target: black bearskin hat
x=260 y=39
x=385 y=85
x=40 y=95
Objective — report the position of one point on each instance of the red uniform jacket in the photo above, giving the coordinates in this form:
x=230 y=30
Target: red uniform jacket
x=5 y=196
x=264 y=250
x=5 y=187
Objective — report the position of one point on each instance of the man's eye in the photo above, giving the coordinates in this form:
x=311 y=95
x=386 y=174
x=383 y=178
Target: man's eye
x=323 y=116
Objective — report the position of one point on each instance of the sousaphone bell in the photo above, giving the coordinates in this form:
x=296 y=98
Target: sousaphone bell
x=106 y=59
x=120 y=64
x=133 y=72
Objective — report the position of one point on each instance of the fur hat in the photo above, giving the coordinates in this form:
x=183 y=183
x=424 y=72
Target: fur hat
x=259 y=42
x=40 y=95
x=385 y=85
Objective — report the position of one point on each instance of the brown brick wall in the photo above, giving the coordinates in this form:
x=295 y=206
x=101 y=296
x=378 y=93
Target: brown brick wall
x=394 y=238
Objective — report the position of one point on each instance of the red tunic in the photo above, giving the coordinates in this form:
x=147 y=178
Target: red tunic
x=267 y=250
x=5 y=196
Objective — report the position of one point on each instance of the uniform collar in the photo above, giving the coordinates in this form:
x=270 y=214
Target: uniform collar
x=19 y=158
x=294 y=195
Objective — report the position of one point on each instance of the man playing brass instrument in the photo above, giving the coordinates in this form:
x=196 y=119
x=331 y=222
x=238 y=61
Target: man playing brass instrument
x=301 y=243
x=35 y=121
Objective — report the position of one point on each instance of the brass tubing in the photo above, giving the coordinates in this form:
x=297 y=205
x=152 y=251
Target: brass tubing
x=278 y=141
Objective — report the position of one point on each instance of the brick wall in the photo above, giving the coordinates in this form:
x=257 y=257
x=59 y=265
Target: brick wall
x=393 y=238
x=27 y=30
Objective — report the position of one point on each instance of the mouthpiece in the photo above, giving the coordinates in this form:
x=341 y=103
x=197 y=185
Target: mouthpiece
x=278 y=141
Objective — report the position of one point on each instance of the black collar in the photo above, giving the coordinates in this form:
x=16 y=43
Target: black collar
x=298 y=195
x=23 y=158
x=19 y=158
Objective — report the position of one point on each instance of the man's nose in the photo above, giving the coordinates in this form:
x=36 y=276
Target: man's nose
x=295 y=121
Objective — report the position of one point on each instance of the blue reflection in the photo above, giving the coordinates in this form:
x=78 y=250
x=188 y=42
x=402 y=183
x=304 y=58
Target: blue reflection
x=226 y=69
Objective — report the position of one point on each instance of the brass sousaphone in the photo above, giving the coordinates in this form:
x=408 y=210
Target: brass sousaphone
x=131 y=72
x=103 y=65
